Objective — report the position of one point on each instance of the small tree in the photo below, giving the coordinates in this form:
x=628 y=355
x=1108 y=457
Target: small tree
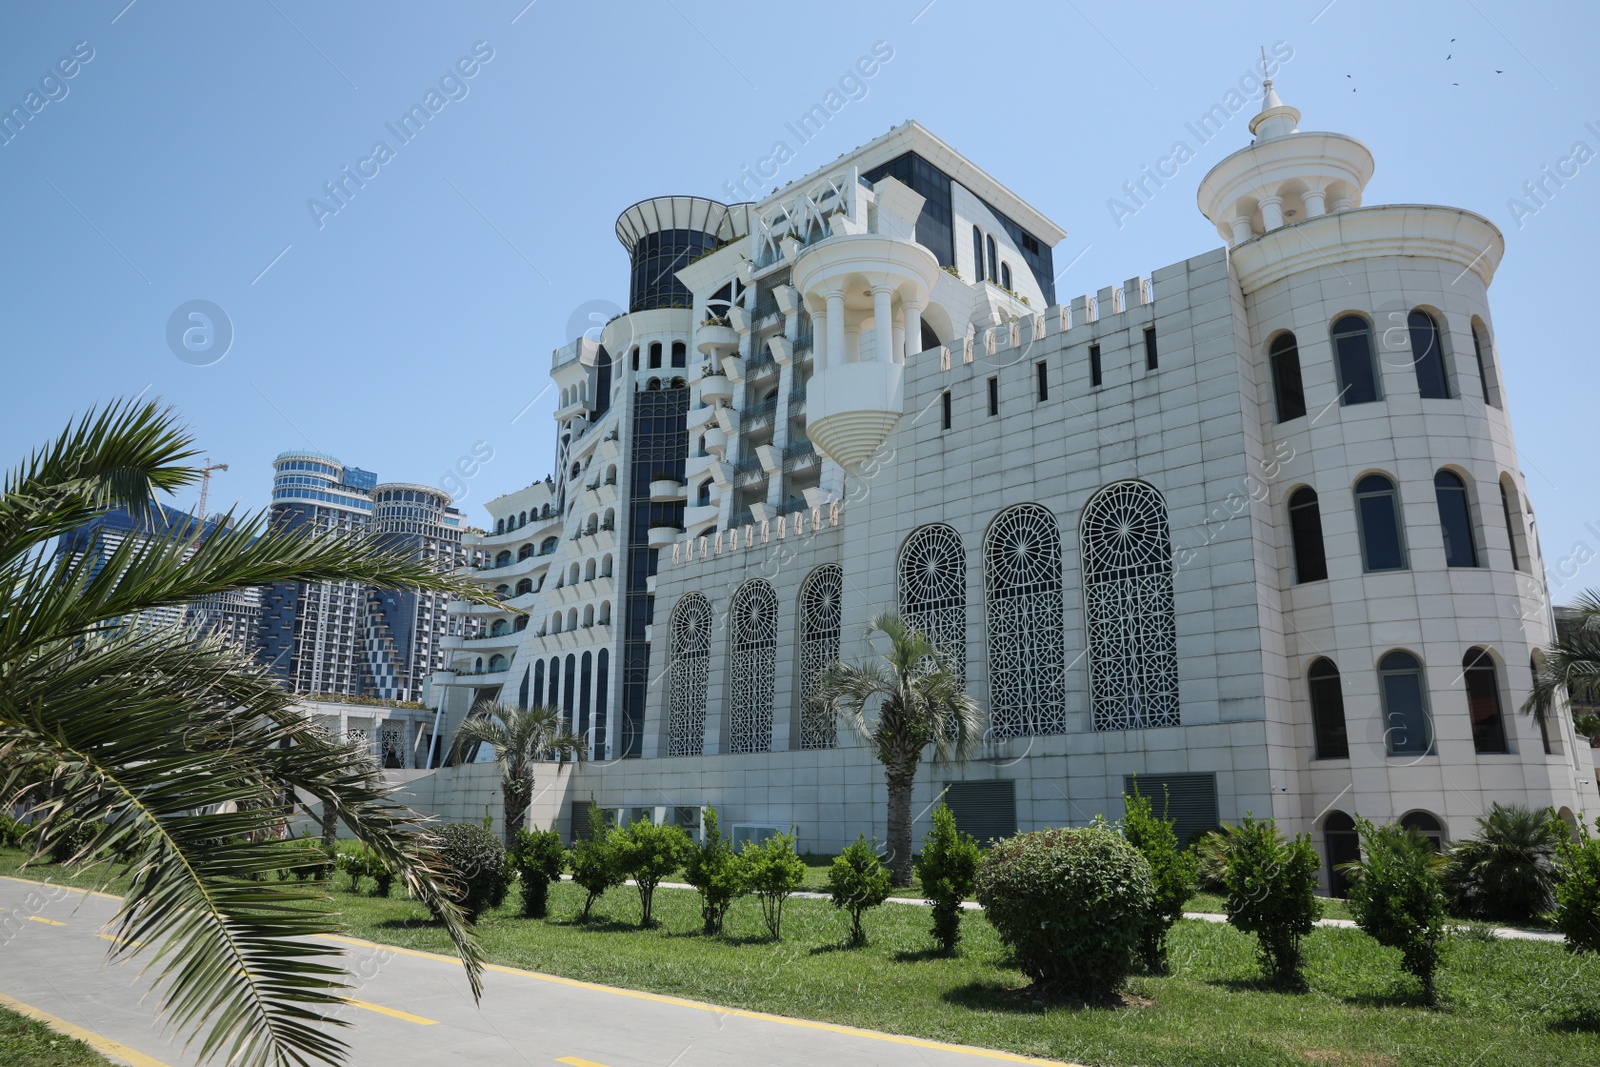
x=1396 y=897
x=772 y=871
x=1272 y=893
x=648 y=853
x=1577 y=912
x=858 y=880
x=948 y=870
x=521 y=738
x=1172 y=868
x=594 y=861
x=476 y=866
x=713 y=868
x=538 y=857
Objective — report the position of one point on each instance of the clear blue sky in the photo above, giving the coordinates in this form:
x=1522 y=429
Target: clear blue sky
x=419 y=319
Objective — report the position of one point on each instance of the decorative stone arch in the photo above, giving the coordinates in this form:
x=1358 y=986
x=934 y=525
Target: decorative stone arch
x=820 y=612
x=688 y=669
x=932 y=574
x=1025 y=622
x=752 y=666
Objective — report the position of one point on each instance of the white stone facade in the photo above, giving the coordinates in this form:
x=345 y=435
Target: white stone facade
x=1108 y=484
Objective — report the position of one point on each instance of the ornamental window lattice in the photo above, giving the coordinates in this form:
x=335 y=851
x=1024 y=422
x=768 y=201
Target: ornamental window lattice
x=1128 y=607
x=753 y=626
x=1027 y=639
x=690 y=630
x=933 y=590
x=821 y=600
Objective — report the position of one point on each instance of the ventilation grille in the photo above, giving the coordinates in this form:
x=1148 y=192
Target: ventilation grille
x=986 y=810
x=1189 y=800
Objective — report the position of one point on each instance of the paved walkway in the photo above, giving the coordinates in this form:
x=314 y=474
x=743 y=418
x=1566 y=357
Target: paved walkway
x=413 y=1009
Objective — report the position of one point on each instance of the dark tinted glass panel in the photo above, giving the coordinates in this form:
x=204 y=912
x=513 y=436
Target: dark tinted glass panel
x=1094 y=364
x=1406 y=727
x=1511 y=528
x=1480 y=346
x=1040 y=259
x=934 y=225
x=1483 y=702
x=680 y=354
x=977 y=252
x=1344 y=846
x=1286 y=385
x=1427 y=826
x=1378 y=510
x=1352 y=353
x=1327 y=711
x=994 y=396
x=1455 y=520
x=1305 y=529
x=988 y=243
x=657 y=258
x=1427 y=356
x=1150 y=358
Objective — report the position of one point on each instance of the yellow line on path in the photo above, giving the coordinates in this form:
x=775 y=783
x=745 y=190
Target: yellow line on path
x=99 y=1043
x=42 y=919
x=114 y=939
x=395 y=1012
x=578 y=1061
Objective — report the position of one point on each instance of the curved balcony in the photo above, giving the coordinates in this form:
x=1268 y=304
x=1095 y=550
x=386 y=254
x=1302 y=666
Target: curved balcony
x=667 y=491
x=663 y=536
x=698 y=417
x=717 y=441
x=714 y=339
x=697 y=518
x=852 y=408
x=716 y=389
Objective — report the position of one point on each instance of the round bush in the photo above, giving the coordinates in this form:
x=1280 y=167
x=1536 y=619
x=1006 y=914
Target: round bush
x=1071 y=906
x=476 y=864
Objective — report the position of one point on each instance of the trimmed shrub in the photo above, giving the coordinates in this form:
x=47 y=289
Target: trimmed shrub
x=538 y=857
x=13 y=832
x=1210 y=851
x=713 y=868
x=1577 y=911
x=479 y=877
x=948 y=870
x=1508 y=871
x=1272 y=893
x=358 y=861
x=73 y=837
x=594 y=861
x=304 y=860
x=647 y=853
x=1070 y=905
x=1172 y=869
x=858 y=880
x=1396 y=897
x=772 y=871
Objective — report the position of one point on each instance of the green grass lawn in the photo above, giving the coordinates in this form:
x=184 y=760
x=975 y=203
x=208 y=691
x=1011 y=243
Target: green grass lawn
x=1503 y=1002
x=25 y=1043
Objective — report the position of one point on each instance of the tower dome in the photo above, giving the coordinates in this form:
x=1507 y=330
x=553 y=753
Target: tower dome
x=1284 y=176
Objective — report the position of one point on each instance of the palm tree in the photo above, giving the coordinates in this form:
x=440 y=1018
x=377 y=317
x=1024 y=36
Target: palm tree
x=1508 y=871
x=168 y=753
x=520 y=738
x=917 y=699
x=1571 y=664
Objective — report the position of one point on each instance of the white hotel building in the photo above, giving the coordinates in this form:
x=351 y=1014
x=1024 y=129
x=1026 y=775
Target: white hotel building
x=1251 y=528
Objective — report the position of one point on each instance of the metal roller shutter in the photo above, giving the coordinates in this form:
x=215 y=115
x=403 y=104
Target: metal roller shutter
x=986 y=810
x=1190 y=800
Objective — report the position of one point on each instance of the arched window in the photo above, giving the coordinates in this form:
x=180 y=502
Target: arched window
x=1383 y=546
x=548 y=545
x=1534 y=668
x=1027 y=639
x=655 y=355
x=588 y=615
x=521 y=624
x=588 y=571
x=1455 y=520
x=1426 y=825
x=1287 y=388
x=604 y=617
x=1483 y=702
x=572 y=618
x=988 y=242
x=1513 y=516
x=635 y=357
x=1005 y=275
x=1343 y=845
x=500 y=526
x=1483 y=351
x=524 y=586
x=821 y=613
x=702 y=496
x=499 y=627
x=605 y=565
x=1305 y=531
x=752 y=665
x=1128 y=608
x=525 y=551
x=680 y=354
x=502 y=591
x=1407 y=729
x=977 y=254
x=1327 y=710
x=572 y=573
x=555 y=623
x=933 y=590
x=1427 y=356
x=502 y=558
x=497 y=662
x=1352 y=357
x=688 y=666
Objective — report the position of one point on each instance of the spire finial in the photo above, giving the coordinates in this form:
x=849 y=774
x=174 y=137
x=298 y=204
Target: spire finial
x=1265 y=77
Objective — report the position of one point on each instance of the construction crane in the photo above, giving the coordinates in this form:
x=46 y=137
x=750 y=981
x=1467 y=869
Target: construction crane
x=205 y=486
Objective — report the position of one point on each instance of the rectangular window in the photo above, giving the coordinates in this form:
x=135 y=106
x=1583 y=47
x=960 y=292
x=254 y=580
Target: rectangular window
x=1094 y=365
x=945 y=418
x=1044 y=382
x=994 y=396
x=1150 y=360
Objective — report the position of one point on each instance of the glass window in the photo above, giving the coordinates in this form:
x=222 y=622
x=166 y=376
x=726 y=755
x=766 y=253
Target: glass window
x=1305 y=531
x=1407 y=729
x=1483 y=351
x=977 y=252
x=988 y=242
x=1510 y=511
x=1151 y=359
x=1455 y=520
x=680 y=354
x=1378 y=518
x=1094 y=365
x=655 y=355
x=1005 y=276
x=1343 y=846
x=1426 y=825
x=1287 y=388
x=1427 y=356
x=1352 y=354
x=1483 y=702
x=1327 y=711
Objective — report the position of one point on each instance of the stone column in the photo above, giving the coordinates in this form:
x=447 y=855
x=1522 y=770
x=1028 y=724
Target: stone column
x=883 y=323
x=852 y=343
x=1271 y=212
x=913 y=316
x=898 y=349
x=819 y=340
x=1314 y=202
x=1241 y=231
x=837 y=352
